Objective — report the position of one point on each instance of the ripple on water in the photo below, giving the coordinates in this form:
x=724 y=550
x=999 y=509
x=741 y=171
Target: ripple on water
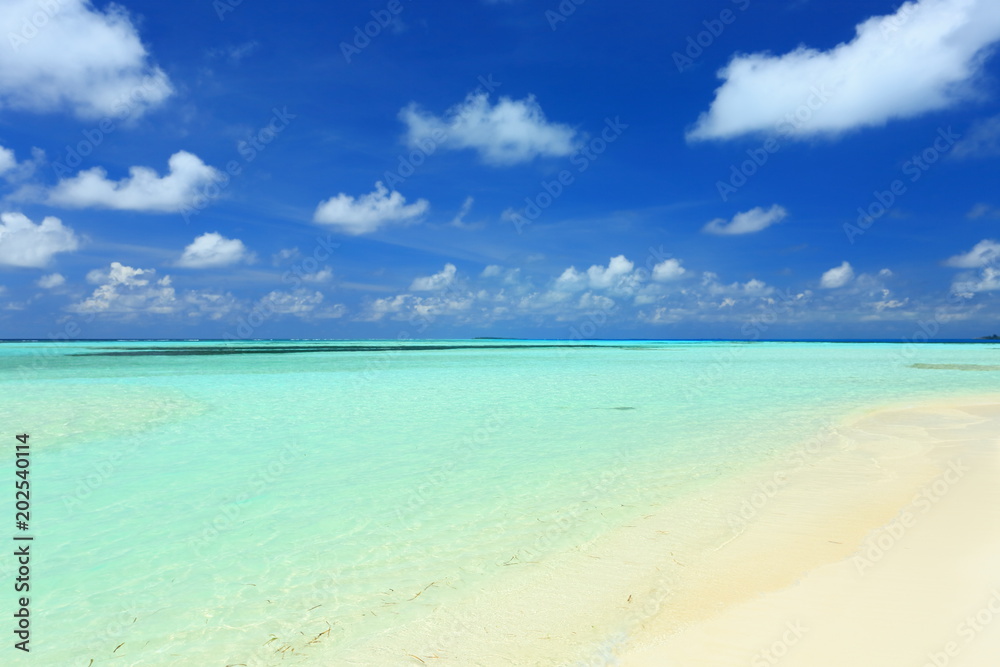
x=72 y=413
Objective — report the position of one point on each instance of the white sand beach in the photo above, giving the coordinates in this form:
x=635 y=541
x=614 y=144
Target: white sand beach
x=908 y=573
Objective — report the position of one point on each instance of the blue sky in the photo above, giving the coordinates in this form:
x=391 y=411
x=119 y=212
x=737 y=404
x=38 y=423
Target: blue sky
x=394 y=169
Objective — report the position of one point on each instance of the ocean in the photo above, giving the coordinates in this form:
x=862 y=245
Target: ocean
x=365 y=502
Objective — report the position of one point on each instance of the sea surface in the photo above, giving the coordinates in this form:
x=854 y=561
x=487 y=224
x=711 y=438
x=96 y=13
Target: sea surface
x=283 y=502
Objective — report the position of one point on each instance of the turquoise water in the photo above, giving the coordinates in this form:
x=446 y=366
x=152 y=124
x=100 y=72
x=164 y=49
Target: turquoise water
x=264 y=503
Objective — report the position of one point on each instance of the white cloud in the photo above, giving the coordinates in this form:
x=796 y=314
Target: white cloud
x=125 y=289
x=618 y=276
x=838 y=276
x=51 y=281
x=619 y=269
x=571 y=280
x=512 y=131
x=368 y=212
x=595 y=302
x=747 y=222
x=300 y=303
x=751 y=288
x=214 y=305
x=491 y=271
x=987 y=281
x=7 y=161
x=438 y=281
x=985 y=252
x=982 y=140
x=321 y=276
x=14 y=172
x=284 y=255
x=23 y=243
x=143 y=190
x=459 y=219
x=408 y=306
x=667 y=270
x=983 y=210
x=212 y=250
x=68 y=54
x=925 y=57
x=235 y=53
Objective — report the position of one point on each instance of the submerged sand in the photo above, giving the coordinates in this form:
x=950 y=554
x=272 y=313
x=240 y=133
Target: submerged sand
x=875 y=543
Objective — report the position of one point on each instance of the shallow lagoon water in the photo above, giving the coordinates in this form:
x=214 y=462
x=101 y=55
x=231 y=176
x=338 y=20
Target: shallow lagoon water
x=277 y=502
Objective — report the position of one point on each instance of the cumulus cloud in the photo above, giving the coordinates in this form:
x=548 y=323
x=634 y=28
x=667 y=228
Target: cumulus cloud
x=667 y=270
x=747 y=222
x=753 y=287
x=571 y=280
x=70 y=55
x=23 y=243
x=437 y=281
x=509 y=132
x=618 y=276
x=51 y=281
x=985 y=252
x=595 y=302
x=15 y=172
x=212 y=250
x=491 y=271
x=987 y=281
x=300 y=303
x=838 y=276
x=125 y=289
x=322 y=276
x=368 y=212
x=143 y=190
x=618 y=269
x=923 y=58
